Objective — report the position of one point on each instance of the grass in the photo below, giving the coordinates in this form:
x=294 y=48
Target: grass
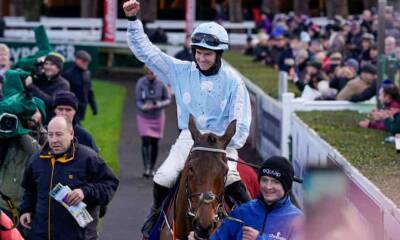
x=261 y=75
x=363 y=148
x=106 y=126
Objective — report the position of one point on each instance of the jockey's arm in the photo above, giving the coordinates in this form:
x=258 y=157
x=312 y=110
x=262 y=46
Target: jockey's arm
x=240 y=110
x=165 y=67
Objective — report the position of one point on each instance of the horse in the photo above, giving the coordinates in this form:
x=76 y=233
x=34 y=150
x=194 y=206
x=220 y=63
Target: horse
x=198 y=203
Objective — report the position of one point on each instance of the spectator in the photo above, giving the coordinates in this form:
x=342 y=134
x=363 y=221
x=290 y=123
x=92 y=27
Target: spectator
x=1 y=87
x=367 y=21
x=289 y=53
x=360 y=88
x=63 y=161
x=342 y=76
x=151 y=98
x=310 y=84
x=16 y=152
x=2 y=27
x=79 y=78
x=334 y=62
x=366 y=43
x=159 y=36
x=46 y=85
x=272 y=215
x=389 y=96
x=336 y=42
x=5 y=63
x=66 y=104
x=391 y=61
x=264 y=23
x=35 y=123
x=186 y=53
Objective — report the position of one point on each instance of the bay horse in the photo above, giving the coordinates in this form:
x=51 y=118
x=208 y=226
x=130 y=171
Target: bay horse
x=198 y=203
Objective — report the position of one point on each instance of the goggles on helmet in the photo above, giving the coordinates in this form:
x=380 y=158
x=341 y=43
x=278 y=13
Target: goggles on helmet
x=209 y=39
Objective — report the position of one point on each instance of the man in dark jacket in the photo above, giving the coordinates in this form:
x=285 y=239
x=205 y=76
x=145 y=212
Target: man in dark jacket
x=63 y=161
x=78 y=77
x=45 y=85
x=66 y=104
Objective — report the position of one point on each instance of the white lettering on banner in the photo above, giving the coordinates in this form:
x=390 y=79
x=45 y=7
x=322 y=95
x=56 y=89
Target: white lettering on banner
x=276 y=236
x=68 y=51
x=22 y=52
x=271 y=172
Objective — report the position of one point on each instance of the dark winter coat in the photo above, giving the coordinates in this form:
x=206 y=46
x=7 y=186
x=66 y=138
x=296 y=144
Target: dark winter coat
x=80 y=167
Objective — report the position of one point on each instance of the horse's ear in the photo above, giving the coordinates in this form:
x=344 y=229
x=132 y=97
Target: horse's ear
x=193 y=128
x=229 y=132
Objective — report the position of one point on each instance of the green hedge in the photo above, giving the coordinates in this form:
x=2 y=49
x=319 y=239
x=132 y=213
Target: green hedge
x=106 y=126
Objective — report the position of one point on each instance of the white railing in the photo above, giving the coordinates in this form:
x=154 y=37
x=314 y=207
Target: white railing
x=90 y=29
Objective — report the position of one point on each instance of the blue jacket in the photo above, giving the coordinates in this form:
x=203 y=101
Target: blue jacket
x=278 y=221
x=80 y=168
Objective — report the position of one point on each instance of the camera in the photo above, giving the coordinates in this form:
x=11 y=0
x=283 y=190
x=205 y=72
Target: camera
x=8 y=123
x=37 y=70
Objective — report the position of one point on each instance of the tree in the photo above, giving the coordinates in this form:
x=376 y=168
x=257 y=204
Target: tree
x=368 y=4
x=148 y=10
x=301 y=7
x=271 y=5
x=89 y=8
x=337 y=7
x=235 y=11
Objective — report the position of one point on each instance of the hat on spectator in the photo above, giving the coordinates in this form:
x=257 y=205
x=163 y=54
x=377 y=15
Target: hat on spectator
x=56 y=59
x=305 y=37
x=351 y=62
x=279 y=168
x=368 y=36
x=83 y=55
x=336 y=28
x=65 y=98
x=368 y=68
x=336 y=56
x=315 y=64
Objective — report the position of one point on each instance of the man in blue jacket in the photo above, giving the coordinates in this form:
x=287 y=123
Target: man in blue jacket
x=272 y=215
x=63 y=161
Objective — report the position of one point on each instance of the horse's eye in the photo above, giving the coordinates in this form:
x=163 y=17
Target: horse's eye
x=190 y=171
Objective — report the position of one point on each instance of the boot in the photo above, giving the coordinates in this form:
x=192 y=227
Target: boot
x=146 y=160
x=238 y=192
x=153 y=156
x=160 y=193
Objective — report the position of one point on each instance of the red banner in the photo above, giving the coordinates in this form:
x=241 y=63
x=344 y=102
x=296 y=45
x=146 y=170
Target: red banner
x=110 y=18
x=190 y=16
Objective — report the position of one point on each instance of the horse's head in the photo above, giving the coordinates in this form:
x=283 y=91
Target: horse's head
x=206 y=174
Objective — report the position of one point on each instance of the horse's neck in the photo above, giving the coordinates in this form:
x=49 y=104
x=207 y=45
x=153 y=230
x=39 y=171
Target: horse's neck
x=183 y=224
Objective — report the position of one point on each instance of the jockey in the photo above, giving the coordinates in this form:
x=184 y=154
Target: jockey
x=206 y=89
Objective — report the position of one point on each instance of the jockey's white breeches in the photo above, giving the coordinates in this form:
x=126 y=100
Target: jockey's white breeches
x=169 y=170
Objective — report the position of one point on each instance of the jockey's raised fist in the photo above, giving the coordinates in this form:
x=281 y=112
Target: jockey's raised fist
x=131 y=8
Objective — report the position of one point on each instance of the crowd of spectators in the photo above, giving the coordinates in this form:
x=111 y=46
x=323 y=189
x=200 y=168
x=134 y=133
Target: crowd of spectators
x=335 y=60
x=42 y=144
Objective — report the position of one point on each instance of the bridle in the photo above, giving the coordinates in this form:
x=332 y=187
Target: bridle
x=206 y=197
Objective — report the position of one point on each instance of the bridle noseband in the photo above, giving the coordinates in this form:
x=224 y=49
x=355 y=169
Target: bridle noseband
x=206 y=197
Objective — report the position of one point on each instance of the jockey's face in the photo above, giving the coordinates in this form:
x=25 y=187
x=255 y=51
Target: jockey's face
x=271 y=189
x=205 y=58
